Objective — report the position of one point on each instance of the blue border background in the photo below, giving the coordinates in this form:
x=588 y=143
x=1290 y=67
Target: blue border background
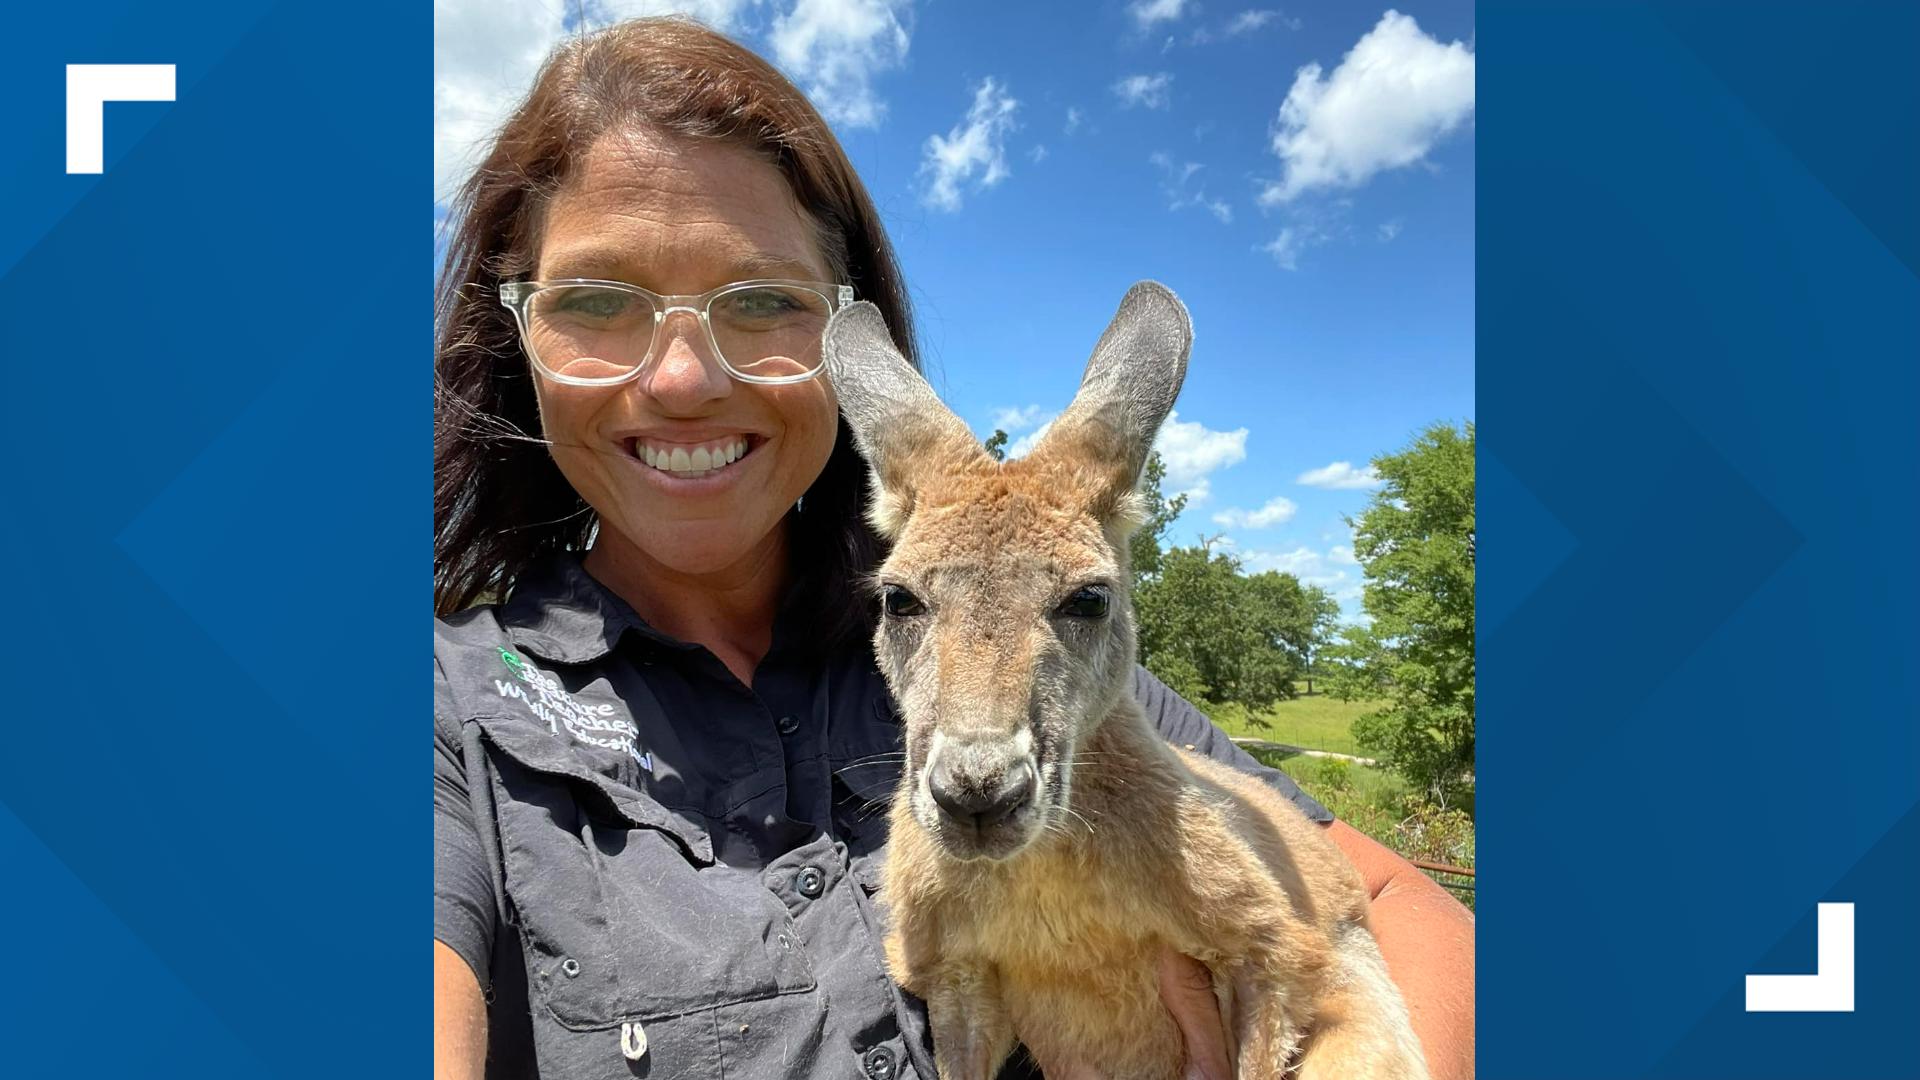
x=1698 y=329
x=214 y=851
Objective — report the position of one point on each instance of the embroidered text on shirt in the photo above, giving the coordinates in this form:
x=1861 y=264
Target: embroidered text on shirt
x=543 y=695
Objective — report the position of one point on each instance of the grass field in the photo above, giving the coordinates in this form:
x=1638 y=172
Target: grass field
x=1312 y=721
x=1381 y=804
x=1375 y=801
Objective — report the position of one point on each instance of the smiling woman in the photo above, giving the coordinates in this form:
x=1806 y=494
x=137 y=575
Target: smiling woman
x=660 y=155
x=661 y=740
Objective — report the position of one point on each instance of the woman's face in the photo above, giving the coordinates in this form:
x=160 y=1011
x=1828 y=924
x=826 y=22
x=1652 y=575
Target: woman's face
x=682 y=218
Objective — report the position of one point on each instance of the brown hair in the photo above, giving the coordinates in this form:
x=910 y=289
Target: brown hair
x=499 y=502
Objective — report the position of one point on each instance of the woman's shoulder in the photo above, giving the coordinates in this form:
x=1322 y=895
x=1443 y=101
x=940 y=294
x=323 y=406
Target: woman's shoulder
x=471 y=647
x=468 y=626
x=472 y=631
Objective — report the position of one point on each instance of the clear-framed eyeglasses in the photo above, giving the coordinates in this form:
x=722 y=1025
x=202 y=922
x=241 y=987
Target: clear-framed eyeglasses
x=586 y=332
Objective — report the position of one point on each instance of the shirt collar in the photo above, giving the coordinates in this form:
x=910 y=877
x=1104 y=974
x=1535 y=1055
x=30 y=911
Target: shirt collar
x=558 y=612
x=563 y=614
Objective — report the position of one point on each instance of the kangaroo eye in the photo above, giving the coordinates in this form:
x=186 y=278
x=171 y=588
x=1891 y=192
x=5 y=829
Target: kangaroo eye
x=1087 y=603
x=900 y=603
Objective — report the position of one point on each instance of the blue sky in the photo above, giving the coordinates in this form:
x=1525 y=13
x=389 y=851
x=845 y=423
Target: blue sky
x=1301 y=176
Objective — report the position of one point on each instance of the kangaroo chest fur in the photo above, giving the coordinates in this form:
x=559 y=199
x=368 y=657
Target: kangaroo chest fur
x=1067 y=932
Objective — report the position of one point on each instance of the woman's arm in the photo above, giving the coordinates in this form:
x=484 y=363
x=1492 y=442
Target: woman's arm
x=1427 y=939
x=463 y=913
x=459 y=1018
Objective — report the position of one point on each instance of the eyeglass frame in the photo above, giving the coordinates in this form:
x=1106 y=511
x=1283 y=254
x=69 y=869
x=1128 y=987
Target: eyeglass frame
x=515 y=296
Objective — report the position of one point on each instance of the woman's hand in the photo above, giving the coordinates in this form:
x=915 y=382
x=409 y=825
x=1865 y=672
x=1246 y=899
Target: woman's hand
x=1187 y=989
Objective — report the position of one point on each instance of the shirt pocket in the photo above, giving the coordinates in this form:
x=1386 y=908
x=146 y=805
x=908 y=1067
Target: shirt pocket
x=623 y=915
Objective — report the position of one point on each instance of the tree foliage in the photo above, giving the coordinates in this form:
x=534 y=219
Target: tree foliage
x=1415 y=545
x=1217 y=635
x=1144 y=550
x=997 y=445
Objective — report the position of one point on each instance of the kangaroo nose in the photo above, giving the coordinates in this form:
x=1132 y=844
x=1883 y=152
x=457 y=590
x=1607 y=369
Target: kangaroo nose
x=980 y=806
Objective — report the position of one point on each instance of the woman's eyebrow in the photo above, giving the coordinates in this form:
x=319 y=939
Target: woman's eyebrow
x=760 y=265
x=614 y=265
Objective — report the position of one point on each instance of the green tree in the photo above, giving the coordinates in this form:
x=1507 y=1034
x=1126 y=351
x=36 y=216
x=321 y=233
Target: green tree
x=1144 y=549
x=1415 y=545
x=1216 y=635
x=1300 y=618
x=997 y=445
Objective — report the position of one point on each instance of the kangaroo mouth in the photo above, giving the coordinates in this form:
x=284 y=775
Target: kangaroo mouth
x=983 y=800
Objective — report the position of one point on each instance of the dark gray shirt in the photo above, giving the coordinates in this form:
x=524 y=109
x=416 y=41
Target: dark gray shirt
x=657 y=871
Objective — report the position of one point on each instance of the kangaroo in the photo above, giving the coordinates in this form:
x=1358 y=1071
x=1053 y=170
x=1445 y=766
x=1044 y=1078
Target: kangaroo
x=1045 y=842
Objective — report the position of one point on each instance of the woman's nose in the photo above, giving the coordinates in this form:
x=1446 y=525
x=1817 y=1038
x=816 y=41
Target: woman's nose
x=686 y=374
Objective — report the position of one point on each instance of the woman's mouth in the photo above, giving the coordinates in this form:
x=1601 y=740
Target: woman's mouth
x=692 y=461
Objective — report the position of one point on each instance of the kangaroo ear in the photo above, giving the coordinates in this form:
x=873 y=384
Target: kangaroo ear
x=902 y=428
x=1128 y=389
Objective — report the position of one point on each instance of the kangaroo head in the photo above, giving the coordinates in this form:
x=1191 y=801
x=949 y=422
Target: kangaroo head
x=1005 y=633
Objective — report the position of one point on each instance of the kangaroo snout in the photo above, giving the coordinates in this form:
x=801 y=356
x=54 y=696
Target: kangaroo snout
x=980 y=787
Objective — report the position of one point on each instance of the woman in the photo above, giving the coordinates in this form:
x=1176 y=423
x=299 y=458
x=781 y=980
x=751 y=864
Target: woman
x=660 y=764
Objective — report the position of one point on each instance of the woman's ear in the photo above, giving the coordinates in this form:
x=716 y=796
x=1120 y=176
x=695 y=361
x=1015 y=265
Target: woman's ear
x=902 y=428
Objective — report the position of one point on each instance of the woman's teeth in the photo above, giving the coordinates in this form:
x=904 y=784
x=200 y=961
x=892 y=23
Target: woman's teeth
x=681 y=460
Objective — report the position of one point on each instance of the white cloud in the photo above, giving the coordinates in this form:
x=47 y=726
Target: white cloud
x=1278 y=511
x=722 y=15
x=1197 y=492
x=1311 y=567
x=1341 y=553
x=1389 y=230
x=1190 y=450
x=1013 y=421
x=1024 y=445
x=1340 y=475
x=975 y=150
x=1074 y=116
x=1285 y=248
x=835 y=48
x=484 y=60
x=1149 y=13
x=1038 y=154
x=485 y=56
x=1145 y=91
x=1396 y=94
x=1248 y=21
x=1181 y=195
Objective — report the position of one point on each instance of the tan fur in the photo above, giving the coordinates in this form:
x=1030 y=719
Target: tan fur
x=1130 y=844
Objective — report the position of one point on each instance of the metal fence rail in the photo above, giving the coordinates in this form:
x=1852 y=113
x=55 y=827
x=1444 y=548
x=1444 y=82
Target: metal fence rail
x=1436 y=870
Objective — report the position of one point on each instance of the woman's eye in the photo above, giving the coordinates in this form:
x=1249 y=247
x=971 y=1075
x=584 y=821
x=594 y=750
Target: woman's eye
x=1087 y=603
x=900 y=603
x=588 y=303
x=758 y=305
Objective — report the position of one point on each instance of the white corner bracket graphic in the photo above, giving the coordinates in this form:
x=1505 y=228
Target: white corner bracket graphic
x=89 y=88
x=1829 y=988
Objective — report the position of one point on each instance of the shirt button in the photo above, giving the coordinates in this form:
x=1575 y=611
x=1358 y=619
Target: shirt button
x=879 y=1064
x=812 y=882
x=787 y=725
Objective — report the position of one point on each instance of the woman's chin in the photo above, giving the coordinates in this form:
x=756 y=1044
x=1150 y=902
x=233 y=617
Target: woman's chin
x=709 y=547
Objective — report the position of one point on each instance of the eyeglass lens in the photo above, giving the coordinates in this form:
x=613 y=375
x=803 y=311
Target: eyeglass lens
x=601 y=332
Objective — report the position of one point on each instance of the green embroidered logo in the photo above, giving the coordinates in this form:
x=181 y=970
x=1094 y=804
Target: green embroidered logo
x=597 y=725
